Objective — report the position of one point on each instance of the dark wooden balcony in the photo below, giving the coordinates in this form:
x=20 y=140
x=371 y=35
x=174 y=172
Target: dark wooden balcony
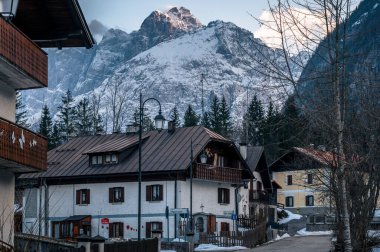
x=218 y=174
x=21 y=150
x=23 y=64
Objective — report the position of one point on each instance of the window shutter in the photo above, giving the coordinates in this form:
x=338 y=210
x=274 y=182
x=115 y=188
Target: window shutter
x=121 y=229
x=160 y=226
x=161 y=191
x=227 y=192
x=122 y=194
x=220 y=191
x=148 y=230
x=88 y=196
x=111 y=230
x=111 y=193
x=78 y=197
x=149 y=193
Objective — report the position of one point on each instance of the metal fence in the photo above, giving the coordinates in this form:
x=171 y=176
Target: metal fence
x=146 y=245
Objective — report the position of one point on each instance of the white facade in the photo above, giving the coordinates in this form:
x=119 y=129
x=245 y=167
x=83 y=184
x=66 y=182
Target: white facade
x=62 y=204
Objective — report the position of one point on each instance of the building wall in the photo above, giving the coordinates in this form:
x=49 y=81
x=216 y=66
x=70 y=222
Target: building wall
x=62 y=205
x=300 y=189
x=7 y=103
x=7 y=192
x=205 y=193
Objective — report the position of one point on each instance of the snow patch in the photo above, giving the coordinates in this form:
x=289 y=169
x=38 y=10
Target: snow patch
x=291 y=216
x=212 y=247
x=178 y=240
x=286 y=235
x=303 y=232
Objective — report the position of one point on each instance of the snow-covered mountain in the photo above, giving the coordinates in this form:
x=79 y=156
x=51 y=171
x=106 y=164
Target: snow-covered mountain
x=164 y=59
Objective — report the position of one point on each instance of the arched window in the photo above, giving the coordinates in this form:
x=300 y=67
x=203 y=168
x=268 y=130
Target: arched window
x=200 y=225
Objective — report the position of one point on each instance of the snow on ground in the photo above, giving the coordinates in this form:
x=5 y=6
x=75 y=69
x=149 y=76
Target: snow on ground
x=286 y=235
x=374 y=233
x=211 y=247
x=291 y=216
x=375 y=250
x=168 y=251
x=303 y=232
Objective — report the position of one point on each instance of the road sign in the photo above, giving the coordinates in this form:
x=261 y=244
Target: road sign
x=105 y=221
x=233 y=217
x=179 y=210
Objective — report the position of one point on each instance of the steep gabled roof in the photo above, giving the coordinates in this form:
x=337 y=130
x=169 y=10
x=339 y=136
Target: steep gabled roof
x=323 y=158
x=257 y=162
x=162 y=152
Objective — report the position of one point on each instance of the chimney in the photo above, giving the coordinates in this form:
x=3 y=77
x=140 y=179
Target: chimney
x=171 y=127
x=243 y=150
x=132 y=128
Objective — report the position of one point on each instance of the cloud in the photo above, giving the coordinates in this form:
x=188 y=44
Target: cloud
x=302 y=29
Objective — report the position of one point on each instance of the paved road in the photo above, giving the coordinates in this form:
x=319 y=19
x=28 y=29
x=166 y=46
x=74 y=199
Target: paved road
x=297 y=244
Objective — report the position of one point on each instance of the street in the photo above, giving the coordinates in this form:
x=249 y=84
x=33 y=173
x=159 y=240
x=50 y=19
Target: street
x=297 y=244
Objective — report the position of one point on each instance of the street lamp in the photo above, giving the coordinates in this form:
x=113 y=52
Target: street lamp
x=203 y=158
x=159 y=123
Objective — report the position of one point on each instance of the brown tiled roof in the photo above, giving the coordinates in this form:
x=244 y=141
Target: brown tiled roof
x=161 y=152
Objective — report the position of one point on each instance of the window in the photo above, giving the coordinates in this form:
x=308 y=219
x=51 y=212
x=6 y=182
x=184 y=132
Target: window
x=309 y=200
x=289 y=201
x=67 y=228
x=113 y=158
x=310 y=178
x=152 y=226
x=221 y=161
x=154 y=193
x=97 y=160
x=116 y=194
x=116 y=230
x=290 y=180
x=223 y=196
x=108 y=158
x=200 y=225
x=83 y=196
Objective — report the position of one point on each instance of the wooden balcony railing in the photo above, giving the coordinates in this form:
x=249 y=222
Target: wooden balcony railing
x=21 y=52
x=5 y=247
x=21 y=150
x=220 y=174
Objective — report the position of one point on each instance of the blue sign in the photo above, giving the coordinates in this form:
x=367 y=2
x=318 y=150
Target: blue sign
x=233 y=217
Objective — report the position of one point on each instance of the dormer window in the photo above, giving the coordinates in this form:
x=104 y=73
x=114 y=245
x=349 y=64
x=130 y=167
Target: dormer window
x=109 y=158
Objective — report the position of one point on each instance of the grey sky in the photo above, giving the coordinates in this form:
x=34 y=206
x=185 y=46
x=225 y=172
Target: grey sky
x=129 y=14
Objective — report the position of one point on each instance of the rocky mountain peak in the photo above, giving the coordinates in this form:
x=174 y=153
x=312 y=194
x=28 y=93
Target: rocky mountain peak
x=174 y=21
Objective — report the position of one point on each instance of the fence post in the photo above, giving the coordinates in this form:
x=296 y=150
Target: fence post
x=84 y=241
x=99 y=240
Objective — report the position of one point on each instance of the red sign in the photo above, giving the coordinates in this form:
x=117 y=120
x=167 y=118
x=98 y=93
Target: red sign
x=105 y=221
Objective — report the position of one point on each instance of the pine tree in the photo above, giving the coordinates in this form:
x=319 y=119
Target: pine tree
x=225 y=118
x=46 y=125
x=84 y=118
x=55 y=138
x=21 y=115
x=67 y=115
x=175 y=117
x=253 y=122
x=271 y=129
x=206 y=120
x=214 y=115
x=147 y=124
x=190 y=118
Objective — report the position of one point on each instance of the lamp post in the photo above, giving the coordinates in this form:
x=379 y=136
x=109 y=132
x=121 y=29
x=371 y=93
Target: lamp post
x=203 y=161
x=159 y=122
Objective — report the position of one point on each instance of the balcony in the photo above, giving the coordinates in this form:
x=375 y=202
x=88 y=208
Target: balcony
x=21 y=150
x=23 y=64
x=218 y=174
